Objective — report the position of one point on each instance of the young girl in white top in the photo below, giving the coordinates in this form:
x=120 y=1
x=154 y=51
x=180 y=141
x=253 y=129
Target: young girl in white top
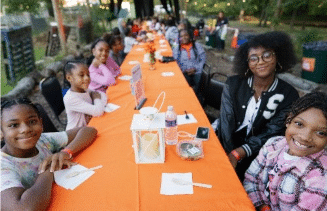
x=80 y=103
x=29 y=157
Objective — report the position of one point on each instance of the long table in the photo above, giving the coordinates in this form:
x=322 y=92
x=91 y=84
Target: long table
x=124 y=185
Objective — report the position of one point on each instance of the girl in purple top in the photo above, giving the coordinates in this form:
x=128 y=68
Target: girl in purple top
x=103 y=69
x=290 y=173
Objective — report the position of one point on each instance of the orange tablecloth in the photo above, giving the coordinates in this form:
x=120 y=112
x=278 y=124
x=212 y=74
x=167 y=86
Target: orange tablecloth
x=123 y=185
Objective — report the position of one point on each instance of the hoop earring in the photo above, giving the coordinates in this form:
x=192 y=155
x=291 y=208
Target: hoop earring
x=280 y=66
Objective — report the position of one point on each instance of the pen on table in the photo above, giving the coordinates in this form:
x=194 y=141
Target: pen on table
x=186 y=116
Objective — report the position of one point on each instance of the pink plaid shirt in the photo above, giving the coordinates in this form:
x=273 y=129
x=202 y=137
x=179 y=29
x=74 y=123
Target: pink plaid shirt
x=287 y=185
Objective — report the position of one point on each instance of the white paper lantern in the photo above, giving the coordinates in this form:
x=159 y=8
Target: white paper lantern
x=148 y=138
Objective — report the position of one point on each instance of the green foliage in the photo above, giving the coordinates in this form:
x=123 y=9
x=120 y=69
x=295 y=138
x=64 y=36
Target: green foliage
x=205 y=7
x=19 y=6
x=101 y=16
x=306 y=36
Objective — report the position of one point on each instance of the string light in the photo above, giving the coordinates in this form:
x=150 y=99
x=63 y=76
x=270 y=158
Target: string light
x=195 y=3
x=228 y=4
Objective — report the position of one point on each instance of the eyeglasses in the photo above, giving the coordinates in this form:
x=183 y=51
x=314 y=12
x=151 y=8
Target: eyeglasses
x=267 y=56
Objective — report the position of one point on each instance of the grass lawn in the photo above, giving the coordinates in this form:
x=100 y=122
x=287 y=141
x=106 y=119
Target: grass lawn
x=39 y=52
x=5 y=88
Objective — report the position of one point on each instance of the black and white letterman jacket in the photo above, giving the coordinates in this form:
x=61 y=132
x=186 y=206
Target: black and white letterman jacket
x=270 y=119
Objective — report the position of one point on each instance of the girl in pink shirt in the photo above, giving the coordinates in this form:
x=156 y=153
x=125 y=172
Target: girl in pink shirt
x=290 y=173
x=102 y=70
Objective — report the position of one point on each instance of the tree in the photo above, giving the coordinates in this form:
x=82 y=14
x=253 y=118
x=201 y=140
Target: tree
x=19 y=6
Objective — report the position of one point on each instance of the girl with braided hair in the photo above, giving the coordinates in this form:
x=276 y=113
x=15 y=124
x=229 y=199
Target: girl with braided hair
x=290 y=172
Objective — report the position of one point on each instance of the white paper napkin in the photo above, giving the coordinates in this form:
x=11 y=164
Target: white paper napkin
x=61 y=179
x=167 y=74
x=110 y=107
x=125 y=77
x=133 y=62
x=181 y=119
x=168 y=187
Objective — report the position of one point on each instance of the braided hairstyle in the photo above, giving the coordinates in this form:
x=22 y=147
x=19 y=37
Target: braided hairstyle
x=316 y=100
x=5 y=104
x=189 y=32
x=68 y=67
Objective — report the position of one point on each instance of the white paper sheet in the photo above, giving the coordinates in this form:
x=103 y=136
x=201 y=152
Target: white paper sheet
x=167 y=74
x=110 y=107
x=168 y=187
x=181 y=119
x=133 y=62
x=61 y=179
x=125 y=77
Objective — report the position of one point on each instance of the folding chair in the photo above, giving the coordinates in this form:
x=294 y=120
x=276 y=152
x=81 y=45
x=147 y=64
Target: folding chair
x=213 y=94
x=51 y=90
x=48 y=126
x=204 y=82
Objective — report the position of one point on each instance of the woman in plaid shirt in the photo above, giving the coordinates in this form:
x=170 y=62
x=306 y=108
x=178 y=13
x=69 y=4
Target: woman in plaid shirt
x=290 y=173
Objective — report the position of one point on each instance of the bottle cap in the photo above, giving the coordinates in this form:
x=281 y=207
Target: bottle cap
x=170 y=108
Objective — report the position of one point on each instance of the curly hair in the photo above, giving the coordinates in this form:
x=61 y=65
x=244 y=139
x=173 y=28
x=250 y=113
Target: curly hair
x=277 y=41
x=316 y=100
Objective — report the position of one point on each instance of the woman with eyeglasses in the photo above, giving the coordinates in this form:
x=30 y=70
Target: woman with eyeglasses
x=255 y=102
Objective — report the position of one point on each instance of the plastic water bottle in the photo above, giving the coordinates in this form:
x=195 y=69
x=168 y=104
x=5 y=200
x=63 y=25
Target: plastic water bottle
x=171 y=135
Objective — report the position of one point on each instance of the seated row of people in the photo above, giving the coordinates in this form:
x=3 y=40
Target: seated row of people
x=255 y=103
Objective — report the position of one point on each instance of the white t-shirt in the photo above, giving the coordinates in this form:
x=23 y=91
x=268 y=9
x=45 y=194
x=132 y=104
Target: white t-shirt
x=129 y=42
x=80 y=108
x=250 y=115
x=22 y=172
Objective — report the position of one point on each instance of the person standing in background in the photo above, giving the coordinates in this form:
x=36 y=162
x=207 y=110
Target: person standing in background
x=221 y=30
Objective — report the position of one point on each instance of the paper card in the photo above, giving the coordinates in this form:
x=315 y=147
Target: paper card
x=71 y=183
x=181 y=119
x=125 y=77
x=110 y=107
x=167 y=74
x=168 y=187
x=133 y=62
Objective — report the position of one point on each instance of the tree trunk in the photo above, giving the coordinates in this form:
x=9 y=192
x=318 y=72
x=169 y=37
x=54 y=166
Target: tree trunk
x=293 y=19
x=59 y=20
x=278 y=7
x=262 y=16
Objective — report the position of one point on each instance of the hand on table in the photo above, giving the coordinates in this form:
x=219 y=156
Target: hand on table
x=232 y=160
x=191 y=71
x=242 y=154
x=56 y=162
